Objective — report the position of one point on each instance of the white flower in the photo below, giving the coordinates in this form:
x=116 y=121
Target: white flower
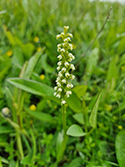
x=71 y=56
x=62 y=50
x=69 y=59
x=58 y=79
x=72 y=66
x=64 y=81
x=59 y=45
x=68 y=93
x=54 y=93
x=59 y=57
x=58 y=68
x=70 y=46
x=66 y=64
x=58 y=95
x=59 y=63
x=65 y=40
x=70 y=35
x=60 y=74
x=62 y=33
x=63 y=69
x=63 y=102
x=58 y=83
x=60 y=89
x=58 y=36
x=72 y=77
x=55 y=88
x=67 y=74
x=69 y=85
x=66 y=27
x=58 y=49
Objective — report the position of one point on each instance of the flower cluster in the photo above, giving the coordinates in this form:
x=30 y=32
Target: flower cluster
x=63 y=81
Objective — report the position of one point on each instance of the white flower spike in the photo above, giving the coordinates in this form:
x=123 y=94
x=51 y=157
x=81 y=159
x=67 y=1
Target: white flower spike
x=63 y=81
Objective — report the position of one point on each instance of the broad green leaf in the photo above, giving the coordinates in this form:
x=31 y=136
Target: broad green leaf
x=75 y=162
x=120 y=148
x=80 y=90
x=79 y=118
x=74 y=102
x=93 y=115
x=40 y=115
x=60 y=145
x=31 y=86
x=27 y=160
x=75 y=130
x=32 y=63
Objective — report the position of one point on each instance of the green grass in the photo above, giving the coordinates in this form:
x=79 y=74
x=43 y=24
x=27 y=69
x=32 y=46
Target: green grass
x=29 y=139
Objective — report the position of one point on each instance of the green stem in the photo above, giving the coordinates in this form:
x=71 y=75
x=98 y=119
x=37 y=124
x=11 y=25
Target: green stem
x=85 y=114
x=64 y=118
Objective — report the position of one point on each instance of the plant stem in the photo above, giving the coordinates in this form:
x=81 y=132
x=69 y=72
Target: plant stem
x=64 y=118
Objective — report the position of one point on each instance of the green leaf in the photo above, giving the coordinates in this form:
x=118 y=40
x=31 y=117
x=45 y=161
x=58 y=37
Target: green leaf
x=112 y=73
x=92 y=63
x=1 y=163
x=5 y=129
x=9 y=98
x=93 y=115
x=27 y=160
x=79 y=118
x=31 y=86
x=75 y=130
x=18 y=58
x=75 y=162
x=80 y=90
x=32 y=63
x=40 y=115
x=4 y=160
x=60 y=145
x=74 y=102
x=9 y=35
x=45 y=65
x=120 y=148
x=28 y=49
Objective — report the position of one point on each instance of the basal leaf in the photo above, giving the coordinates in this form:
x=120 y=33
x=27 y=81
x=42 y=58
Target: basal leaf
x=74 y=102
x=93 y=115
x=32 y=63
x=40 y=115
x=79 y=118
x=31 y=86
x=76 y=131
x=120 y=148
x=80 y=90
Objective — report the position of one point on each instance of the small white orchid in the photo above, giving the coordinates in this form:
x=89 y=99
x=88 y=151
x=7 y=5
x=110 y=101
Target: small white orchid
x=63 y=81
